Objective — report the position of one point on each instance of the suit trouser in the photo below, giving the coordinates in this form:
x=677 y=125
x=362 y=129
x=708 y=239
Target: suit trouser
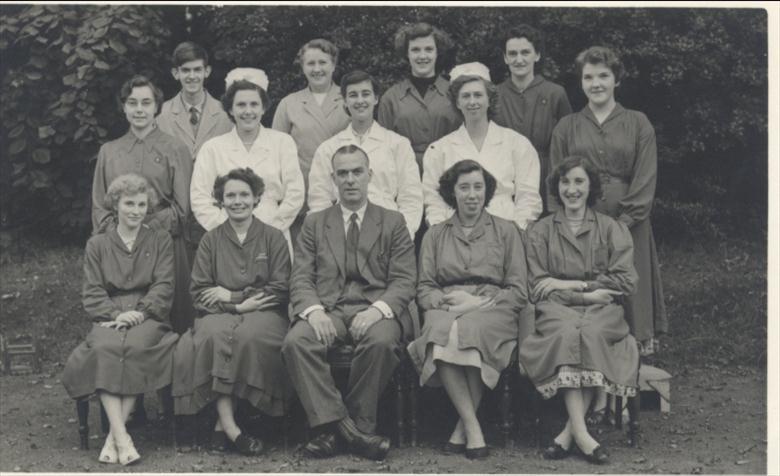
x=376 y=356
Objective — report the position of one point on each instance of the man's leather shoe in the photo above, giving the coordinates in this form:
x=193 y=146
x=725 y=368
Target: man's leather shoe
x=373 y=447
x=248 y=445
x=321 y=446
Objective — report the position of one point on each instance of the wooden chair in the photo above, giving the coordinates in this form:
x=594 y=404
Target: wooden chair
x=511 y=376
x=82 y=412
x=403 y=384
x=340 y=360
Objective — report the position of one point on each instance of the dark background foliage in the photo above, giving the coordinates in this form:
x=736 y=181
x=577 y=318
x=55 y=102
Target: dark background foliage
x=699 y=74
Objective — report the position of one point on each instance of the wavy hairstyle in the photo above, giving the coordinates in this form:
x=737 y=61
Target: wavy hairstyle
x=450 y=177
x=129 y=184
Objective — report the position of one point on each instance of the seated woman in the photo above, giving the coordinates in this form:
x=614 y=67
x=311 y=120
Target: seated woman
x=127 y=291
x=471 y=288
x=580 y=266
x=239 y=281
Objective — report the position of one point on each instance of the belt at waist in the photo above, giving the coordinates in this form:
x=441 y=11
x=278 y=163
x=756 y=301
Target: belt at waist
x=607 y=178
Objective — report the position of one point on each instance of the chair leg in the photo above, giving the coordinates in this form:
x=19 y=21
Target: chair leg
x=506 y=400
x=536 y=408
x=398 y=381
x=104 y=425
x=414 y=404
x=634 y=404
x=82 y=410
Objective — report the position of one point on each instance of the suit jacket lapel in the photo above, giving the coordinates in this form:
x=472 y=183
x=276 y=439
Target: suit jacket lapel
x=334 y=234
x=181 y=117
x=369 y=234
x=331 y=102
x=209 y=116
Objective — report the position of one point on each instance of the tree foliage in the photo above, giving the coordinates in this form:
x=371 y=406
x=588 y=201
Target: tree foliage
x=699 y=74
x=62 y=69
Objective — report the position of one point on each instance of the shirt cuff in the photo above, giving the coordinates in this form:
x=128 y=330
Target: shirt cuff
x=305 y=314
x=387 y=313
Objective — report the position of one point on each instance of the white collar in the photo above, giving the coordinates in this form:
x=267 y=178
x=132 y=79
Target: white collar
x=346 y=213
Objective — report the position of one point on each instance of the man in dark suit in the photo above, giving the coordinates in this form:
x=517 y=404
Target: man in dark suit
x=354 y=275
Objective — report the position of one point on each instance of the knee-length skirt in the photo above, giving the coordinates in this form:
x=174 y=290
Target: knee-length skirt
x=123 y=362
x=581 y=346
x=484 y=338
x=232 y=354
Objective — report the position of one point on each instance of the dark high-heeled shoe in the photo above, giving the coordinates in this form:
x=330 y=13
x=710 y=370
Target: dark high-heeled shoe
x=450 y=448
x=555 y=451
x=477 y=453
x=598 y=456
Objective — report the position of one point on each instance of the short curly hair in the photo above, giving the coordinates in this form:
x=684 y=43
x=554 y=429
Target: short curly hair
x=490 y=88
x=246 y=175
x=568 y=163
x=601 y=55
x=445 y=47
x=450 y=177
x=319 y=44
x=139 y=81
x=129 y=184
x=242 y=85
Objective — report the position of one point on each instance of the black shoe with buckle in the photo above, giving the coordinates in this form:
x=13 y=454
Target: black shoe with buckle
x=248 y=445
x=321 y=446
x=373 y=447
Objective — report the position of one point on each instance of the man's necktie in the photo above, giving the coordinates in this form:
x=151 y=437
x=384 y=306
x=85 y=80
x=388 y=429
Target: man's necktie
x=353 y=233
x=194 y=119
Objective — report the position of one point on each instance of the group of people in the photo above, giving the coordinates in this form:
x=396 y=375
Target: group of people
x=228 y=259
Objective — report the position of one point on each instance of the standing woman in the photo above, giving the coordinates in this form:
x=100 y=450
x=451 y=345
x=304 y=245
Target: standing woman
x=315 y=113
x=527 y=101
x=418 y=107
x=270 y=154
x=239 y=285
x=507 y=155
x=166 y=164
x=621 y=144
x=127 y=291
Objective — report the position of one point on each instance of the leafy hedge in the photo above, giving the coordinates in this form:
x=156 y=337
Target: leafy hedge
x=62 y=70
x=699 y=74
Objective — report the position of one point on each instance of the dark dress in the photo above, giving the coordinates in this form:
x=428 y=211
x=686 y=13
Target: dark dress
x=422 y=120
x=623 y=149
x=577 y=344
x=135 y=360
x=487 y=262
x=228 y=353
x=165 y=162
x=533 y=112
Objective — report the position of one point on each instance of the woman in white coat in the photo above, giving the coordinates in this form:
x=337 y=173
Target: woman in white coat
x=270 y=154
x=506 y=154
